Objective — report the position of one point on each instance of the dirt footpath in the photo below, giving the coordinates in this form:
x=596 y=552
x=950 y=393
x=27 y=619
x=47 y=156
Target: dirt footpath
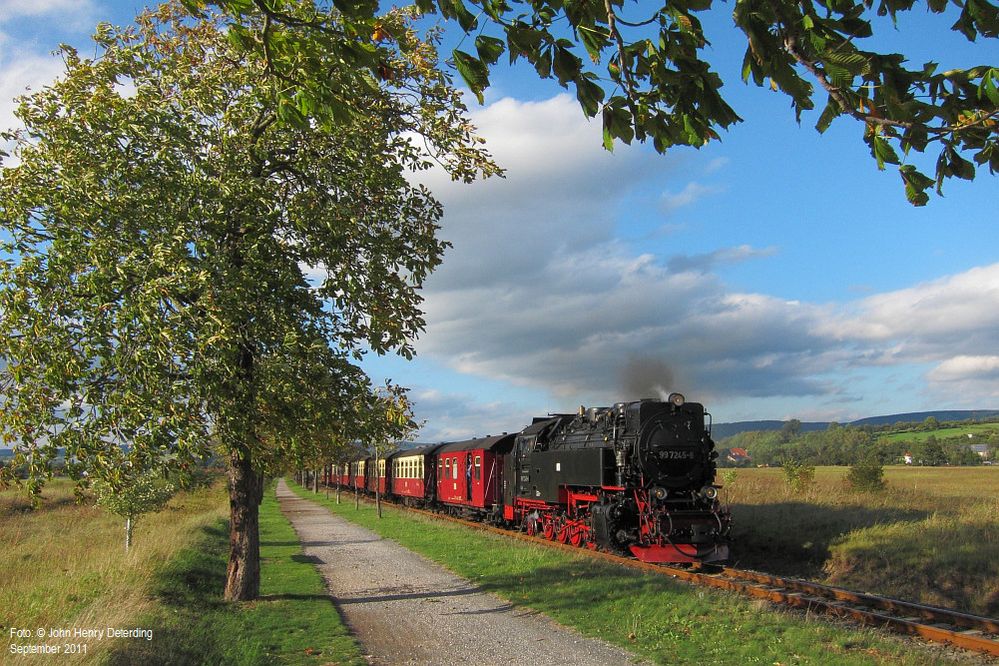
x=405 y=609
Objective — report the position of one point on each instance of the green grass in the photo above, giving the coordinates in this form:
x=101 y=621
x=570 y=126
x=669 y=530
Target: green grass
x=294 y=621
x=942 y=433
x=653 y=616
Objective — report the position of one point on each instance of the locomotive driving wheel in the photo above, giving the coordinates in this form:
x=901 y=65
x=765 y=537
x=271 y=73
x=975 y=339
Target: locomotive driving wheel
x=564 y=531
x=549 y=528
x=576 y=535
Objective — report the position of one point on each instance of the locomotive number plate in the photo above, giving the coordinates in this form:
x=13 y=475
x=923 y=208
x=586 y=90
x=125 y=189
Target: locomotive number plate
x=678 y=455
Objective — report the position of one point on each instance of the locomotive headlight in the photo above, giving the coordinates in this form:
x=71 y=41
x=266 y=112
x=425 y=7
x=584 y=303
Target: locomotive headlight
x=676 y=399
x=710 y=492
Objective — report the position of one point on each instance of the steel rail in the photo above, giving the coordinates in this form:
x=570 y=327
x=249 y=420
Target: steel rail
x=940 y=625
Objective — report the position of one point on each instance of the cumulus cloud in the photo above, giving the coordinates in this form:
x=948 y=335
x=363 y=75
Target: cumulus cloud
x=945 y=318
x=454 y=416
x=539 y=292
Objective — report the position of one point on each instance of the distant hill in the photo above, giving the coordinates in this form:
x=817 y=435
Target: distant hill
x=940 y=415
x=723 y=430
x=720 y=431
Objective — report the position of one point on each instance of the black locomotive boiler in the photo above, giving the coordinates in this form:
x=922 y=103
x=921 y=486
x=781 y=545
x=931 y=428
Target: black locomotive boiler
x=636 y=477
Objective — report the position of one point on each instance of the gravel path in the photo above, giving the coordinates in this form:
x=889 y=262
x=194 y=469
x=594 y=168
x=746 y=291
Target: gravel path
x=405 y=609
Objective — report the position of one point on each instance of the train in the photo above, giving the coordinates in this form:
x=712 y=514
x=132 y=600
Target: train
x=637 y=477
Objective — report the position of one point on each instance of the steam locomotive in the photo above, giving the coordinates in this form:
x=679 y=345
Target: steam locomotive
x=636 y=477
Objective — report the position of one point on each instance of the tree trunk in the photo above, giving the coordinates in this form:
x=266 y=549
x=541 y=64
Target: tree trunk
x=128 y=533
x=245 y=493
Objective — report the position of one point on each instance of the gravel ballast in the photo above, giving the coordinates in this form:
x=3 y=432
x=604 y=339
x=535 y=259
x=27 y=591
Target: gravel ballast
x=405 y=609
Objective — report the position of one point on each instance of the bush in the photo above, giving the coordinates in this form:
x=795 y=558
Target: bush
x=867 y=475
x=728 y=476
x=798 y=475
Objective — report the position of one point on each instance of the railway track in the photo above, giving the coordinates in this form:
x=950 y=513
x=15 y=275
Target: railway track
x=941 y=625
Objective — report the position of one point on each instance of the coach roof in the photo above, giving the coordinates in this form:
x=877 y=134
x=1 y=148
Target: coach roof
x=494 y=442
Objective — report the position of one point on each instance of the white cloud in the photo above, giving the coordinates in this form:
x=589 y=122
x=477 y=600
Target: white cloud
x=538 y=291
x=951 y=316
x=691 y=194
x=962 y=368
x=70 y=12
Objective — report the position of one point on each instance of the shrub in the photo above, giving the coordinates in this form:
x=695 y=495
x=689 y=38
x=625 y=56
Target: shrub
x=728 y=476
x=867 y=475
x=798 y=475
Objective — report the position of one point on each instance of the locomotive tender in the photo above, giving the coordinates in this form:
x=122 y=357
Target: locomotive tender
x=637 y=477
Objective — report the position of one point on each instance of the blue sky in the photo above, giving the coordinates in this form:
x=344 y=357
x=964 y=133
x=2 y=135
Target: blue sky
x=774 y=274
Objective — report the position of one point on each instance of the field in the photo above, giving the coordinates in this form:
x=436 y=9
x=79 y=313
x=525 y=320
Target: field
x=931 y=536
x=64 y=564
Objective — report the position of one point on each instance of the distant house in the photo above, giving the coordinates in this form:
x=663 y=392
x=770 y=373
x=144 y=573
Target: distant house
x=908 y=458
x=982 y=450
x=738 y=456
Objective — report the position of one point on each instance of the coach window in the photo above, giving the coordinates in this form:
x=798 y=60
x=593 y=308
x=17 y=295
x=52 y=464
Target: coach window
x=478 y=468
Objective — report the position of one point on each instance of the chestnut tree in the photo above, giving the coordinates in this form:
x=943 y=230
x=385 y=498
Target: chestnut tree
x=192 y=263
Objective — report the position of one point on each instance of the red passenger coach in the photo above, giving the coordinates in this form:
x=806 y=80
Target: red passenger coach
x=341 y=473
x=358 y=471
x=376 y=480
x=413 y=474
x=470 y=473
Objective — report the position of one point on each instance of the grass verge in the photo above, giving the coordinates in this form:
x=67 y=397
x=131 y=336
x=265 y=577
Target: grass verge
x=659 y=619
x=294 y=621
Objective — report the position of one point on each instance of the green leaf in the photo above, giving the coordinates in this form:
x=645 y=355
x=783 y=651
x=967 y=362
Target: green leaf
x=883 y=152
x=589 y=95
x=489 y=49
x=473 y=72
x=566 y=65
x=916 y=184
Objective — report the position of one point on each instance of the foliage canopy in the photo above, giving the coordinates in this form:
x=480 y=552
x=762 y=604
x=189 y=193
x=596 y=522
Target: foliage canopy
x=649 y=77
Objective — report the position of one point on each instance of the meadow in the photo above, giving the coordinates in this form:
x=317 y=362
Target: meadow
x=63 y=565
x=931 y=536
